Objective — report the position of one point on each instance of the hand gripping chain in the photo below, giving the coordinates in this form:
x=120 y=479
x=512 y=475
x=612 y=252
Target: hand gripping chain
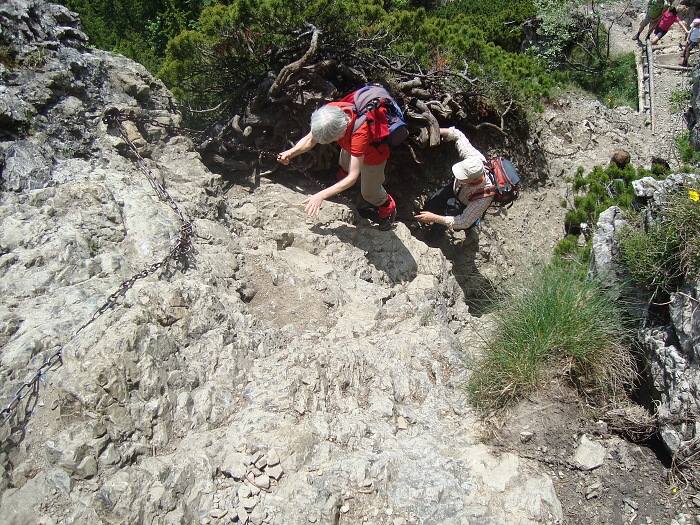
x=180 y=251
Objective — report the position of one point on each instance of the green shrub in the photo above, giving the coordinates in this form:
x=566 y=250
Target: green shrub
x=687 y=151
x=617 y=85
x=559 y=322
x=500 y=20
x=659 y=256
x=601 y=188
x=138 y=29
x=237 y=44
x=680 y=100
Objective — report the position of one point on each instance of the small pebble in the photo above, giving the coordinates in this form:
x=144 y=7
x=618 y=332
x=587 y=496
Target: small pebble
x=274 y=472
x=631 y=503
x=248 y=503
x=526 y=436
x=273 y=457
x=262 y=481
x=218 y=513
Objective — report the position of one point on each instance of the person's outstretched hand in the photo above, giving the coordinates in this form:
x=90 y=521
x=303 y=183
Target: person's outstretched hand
x=313 y=205
x=427 y=217
x=284 y=158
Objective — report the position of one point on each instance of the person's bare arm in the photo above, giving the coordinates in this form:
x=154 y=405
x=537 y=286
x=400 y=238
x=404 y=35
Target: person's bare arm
x=313 y=203
x=428 y=217
x=305 y=144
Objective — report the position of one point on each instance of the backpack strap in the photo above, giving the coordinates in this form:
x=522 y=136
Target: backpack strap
x=485 y=192
x=482 y=194
x=363 y=114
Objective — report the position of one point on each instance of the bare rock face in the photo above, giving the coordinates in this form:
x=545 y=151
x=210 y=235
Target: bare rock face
x=294 y=372
x=604 y=248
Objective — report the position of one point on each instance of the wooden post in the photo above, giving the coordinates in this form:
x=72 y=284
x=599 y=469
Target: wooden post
x=640 y=82
x=650 y=66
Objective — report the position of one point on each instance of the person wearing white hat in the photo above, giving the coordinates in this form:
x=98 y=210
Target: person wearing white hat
x=461 y=203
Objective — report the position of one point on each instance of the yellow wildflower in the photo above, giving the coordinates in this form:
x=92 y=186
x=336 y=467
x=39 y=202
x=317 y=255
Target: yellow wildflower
x=693 y=195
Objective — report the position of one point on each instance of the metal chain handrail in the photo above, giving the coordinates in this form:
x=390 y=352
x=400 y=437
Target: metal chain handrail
x=179 y=252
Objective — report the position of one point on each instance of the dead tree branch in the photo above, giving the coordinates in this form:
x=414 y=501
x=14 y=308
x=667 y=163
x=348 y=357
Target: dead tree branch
x=491 y=125
x=290 y=69
x=434 y=127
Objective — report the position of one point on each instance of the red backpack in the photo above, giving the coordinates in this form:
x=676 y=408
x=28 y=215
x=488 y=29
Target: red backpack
x=505 y=180
x=375 y=105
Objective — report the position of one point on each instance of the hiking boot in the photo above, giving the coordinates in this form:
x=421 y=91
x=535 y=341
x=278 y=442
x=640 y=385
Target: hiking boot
x=386 y=214
x=387 y=223
x=636 y=37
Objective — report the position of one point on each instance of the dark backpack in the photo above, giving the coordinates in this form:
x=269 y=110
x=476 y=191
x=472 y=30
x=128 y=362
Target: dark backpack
x=506 y=183
x=375 y=105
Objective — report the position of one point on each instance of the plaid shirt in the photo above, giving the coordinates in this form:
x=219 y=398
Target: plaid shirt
x=476 y=208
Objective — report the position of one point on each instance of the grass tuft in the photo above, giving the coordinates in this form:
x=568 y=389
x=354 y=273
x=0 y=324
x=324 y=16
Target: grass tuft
x=659 y=256
x=559 y=324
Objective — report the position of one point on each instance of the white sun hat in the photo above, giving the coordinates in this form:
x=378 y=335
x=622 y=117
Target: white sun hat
x=469 y=168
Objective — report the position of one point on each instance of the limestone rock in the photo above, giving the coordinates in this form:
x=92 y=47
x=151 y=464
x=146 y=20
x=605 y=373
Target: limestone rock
x=589 y=454
x=25 y=167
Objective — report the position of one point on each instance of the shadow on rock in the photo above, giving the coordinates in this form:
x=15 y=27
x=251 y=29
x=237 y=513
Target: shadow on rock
x=383 y=249
x=479 y=291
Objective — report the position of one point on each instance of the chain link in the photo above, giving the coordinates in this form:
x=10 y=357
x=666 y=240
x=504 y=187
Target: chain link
x=180 y=251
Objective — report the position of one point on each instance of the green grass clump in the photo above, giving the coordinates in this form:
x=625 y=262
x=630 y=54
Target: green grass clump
x=661 y=255
x=567 y=246
x=559 y=323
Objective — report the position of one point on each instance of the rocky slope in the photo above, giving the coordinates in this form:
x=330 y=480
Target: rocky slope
x=294 y=372
x=670 y=348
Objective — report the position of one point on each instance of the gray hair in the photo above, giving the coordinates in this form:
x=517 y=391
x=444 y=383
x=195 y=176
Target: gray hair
x=328 y=123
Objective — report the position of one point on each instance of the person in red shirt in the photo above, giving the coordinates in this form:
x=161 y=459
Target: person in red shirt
x=359 y=158
x=668 y=18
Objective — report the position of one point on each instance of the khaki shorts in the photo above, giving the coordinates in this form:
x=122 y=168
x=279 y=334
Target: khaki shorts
x=371 y=179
